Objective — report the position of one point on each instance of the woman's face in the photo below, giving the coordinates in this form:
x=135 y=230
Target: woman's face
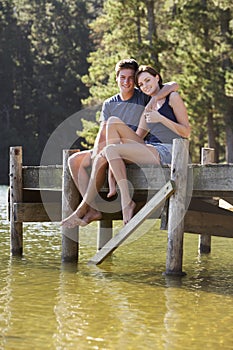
x=148 y=83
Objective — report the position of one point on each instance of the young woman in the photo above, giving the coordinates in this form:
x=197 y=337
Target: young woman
x=168 y=121
x=161 y=125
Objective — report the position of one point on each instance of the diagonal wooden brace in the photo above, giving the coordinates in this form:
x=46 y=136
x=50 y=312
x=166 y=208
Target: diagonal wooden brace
x=149 y=208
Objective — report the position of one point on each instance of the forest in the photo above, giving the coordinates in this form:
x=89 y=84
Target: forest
x=57 y=58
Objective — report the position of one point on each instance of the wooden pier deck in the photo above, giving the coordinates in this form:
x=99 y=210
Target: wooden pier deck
x=46 y=193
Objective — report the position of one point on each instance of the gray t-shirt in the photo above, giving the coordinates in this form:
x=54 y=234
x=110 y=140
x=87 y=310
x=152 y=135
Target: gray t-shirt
x=128 y=111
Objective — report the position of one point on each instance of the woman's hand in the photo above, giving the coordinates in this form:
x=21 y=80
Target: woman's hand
x=153 y=117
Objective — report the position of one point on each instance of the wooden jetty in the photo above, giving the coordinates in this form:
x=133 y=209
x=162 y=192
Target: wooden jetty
x=190 y=192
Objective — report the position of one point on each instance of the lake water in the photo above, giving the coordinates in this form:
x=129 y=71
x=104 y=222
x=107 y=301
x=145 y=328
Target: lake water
x=125 y=303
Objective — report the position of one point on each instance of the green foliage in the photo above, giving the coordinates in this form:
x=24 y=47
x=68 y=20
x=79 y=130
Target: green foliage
x=89 y=132
x=57 y=56
x=43 y=50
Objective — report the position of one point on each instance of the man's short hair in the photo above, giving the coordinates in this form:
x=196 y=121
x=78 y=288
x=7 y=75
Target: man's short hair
x=127 y=63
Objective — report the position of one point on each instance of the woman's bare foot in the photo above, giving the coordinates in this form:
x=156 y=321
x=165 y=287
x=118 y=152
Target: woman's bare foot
x=128 y=212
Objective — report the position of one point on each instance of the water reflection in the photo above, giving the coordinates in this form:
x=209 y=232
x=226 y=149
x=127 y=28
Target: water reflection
x=124 y=303
x=5 y=301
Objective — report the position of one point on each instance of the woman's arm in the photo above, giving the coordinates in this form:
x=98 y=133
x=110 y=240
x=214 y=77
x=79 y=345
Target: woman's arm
x=182 y=126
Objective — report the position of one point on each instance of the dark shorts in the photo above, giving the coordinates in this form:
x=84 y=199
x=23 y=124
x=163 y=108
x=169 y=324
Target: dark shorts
x=164 y=150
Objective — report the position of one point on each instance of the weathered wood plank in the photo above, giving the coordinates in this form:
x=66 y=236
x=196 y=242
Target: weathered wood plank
x=153 y=205
x=37 y=212
x=209 y=223
x=213 y=179
x=208 y=180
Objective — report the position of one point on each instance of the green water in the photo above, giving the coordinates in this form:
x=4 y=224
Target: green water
x=125 y=303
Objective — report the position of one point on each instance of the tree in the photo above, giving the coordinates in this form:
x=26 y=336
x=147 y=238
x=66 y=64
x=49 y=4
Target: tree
x=196 y=50
x=42 y=69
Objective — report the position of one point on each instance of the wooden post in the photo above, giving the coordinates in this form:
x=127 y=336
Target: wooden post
x=104 y=233
x=16 y=195
x=207 y=157
x=70 y=200
x=179 y=171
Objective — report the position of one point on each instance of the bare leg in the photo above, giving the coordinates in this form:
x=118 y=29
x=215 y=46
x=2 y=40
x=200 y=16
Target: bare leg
x=111 y=184
x=82 y=215
x=139 y=153
x=119 y=140
x=119 y=132
x=78 y=164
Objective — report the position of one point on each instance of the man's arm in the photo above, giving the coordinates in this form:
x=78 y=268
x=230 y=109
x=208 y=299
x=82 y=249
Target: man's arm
x=166 y=90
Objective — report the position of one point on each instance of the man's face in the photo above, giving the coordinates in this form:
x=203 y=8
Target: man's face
x=125 y=81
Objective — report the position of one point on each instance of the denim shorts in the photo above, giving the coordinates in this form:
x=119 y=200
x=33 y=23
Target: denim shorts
x=164 y=150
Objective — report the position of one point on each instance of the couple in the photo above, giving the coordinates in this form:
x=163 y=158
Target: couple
x=164 y=118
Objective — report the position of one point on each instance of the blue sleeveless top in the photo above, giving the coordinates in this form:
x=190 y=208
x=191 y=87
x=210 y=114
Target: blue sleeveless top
x=160 y=133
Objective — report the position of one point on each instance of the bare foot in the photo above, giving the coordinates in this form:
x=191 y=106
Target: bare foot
x=76 y=218
x=128 y=211
x=72 y=221
x=92 y=215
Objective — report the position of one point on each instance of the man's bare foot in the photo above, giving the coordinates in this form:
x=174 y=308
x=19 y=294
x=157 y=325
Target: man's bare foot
x=92 y=215
x=72 y=221
x=76 y=218
x=128 y=212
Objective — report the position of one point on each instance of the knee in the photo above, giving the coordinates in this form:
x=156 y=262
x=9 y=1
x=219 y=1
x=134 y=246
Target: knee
x=72 y=161
x=113 y=120
x=111 y=152
x=78 y=160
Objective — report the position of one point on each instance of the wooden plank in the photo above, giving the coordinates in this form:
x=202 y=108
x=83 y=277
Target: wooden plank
x=208 y=180
x=37 y=212
x=153 y=205
x=229 y=200
x=213 y=180
x=209 y=223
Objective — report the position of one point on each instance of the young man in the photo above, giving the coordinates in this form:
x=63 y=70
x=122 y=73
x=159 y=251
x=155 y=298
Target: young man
x=128 y=105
